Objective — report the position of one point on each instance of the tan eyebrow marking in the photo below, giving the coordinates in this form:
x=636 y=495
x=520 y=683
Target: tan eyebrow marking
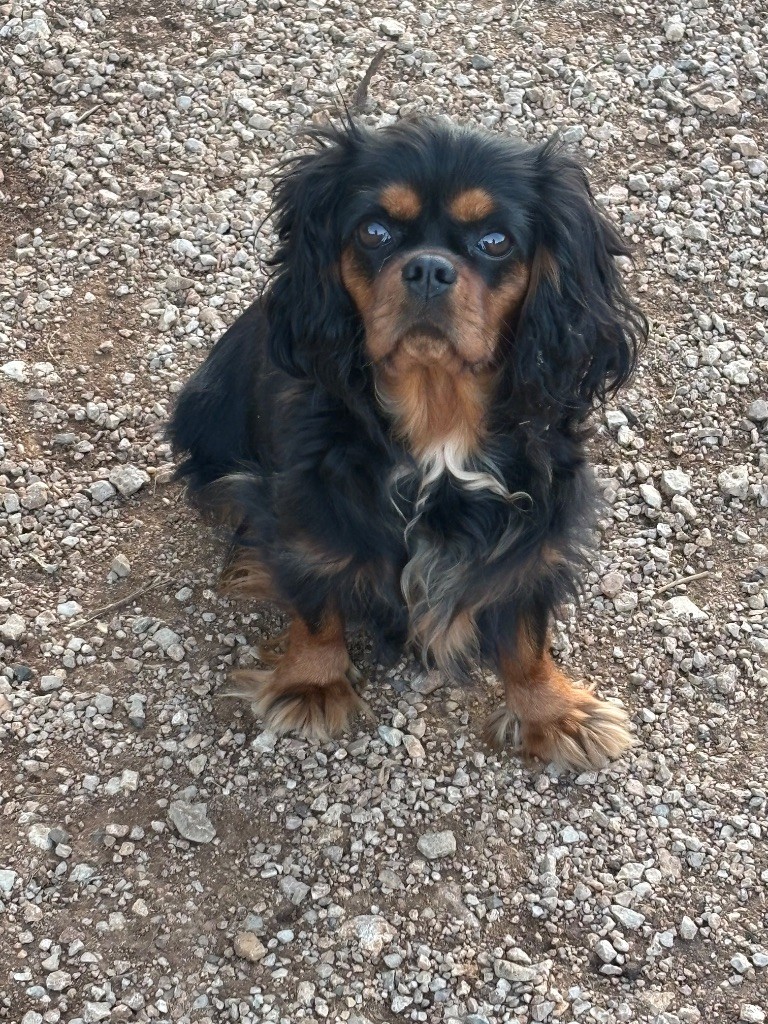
x=472 y=204
x=401 y=202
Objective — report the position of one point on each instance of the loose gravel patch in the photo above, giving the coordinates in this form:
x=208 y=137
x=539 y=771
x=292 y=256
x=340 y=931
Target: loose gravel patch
x=161 y=856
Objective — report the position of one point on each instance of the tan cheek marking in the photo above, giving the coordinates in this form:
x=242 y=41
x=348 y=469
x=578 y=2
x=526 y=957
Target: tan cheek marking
x=378 y=302
x=356 y=283
x=504 y=302
x=401 y=202
x=469 y=316
x=472 y=204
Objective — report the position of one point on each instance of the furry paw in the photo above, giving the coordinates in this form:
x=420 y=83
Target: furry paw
x=587 y=736
x=316 y=711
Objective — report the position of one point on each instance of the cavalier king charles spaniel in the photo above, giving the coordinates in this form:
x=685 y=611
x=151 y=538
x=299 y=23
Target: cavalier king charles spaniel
x=396 y=430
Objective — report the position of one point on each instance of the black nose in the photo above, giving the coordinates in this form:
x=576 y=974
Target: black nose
x=428 y=275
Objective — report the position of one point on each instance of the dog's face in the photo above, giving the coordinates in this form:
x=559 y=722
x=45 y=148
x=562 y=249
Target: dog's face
x=423 y=245
x=436 y=273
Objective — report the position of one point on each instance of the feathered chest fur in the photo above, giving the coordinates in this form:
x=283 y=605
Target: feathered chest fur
x=459 y=518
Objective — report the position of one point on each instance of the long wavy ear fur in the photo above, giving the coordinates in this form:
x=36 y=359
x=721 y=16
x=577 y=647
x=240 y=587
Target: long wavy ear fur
x=579 y=332
x=312 y=322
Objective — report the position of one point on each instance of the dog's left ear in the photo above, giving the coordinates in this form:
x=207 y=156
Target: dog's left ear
x=579 y=332
x=312 y=323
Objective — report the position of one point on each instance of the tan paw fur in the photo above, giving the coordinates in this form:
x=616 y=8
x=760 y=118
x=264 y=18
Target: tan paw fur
x=588 y=736
x=318 y=712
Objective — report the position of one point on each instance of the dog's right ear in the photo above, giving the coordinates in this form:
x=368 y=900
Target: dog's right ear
x=312 y=323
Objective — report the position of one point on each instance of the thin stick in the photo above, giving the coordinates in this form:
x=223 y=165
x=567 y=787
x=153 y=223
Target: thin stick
x=683 y=579
x=697 y=88
x=157 y=582
x=86 y=114
x=361 y=93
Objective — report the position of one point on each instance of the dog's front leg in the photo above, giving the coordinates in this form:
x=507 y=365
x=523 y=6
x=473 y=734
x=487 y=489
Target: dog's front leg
x=548 y=717
x=310 y=690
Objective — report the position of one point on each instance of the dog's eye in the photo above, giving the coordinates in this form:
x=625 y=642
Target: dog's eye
x=495 y=243
x=372 y=234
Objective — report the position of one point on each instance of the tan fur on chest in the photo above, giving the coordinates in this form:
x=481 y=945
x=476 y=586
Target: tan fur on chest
x=434 y=402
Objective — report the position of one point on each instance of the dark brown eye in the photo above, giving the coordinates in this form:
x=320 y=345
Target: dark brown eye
x=371 y=234
x=495 y=244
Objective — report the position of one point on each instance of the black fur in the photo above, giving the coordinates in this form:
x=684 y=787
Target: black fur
x=281 y=426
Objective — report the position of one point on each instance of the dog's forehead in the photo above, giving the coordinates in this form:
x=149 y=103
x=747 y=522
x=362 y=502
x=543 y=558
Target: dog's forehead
x=419 y=173
x=406 y=201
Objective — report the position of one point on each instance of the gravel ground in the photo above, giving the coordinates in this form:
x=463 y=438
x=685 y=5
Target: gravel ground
x=161 y=856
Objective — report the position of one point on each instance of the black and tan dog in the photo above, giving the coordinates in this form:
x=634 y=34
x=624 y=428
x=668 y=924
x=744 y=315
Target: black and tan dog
x=397 y=428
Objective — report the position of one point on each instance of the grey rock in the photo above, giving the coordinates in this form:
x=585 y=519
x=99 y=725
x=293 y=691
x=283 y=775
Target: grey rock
x=758 y=411
x=626 y=917
x=293 y=889
x=684 y=507
x=625 y=603
x=68 y=609
x=675 y=481
x=740 y=963
x=16 y=369
x=120 y=566
x=391 y=27
x=696 y=232
x=413 y=747
x=101 y=491
x=513 y=972
x=372 y=932
x=615 y=418
x=682 y=607
x=427 y=683
x=82 y=873
x=165 y=638
x=36 y=496
x=605 y=951
x=392 y=737
x=305 y=992
x=650 y=496
x=248 y=947
x=751 y=1013
x=434 y=845
x=734 y=481
x=39 y=836
x=58 y=981
x=7 y=880
x=638 y=183
x=191 y=821
x=128 y=479
x=51 y=682
x=674 y=29
x=745 y=145
x=13 y=628
x=95 y=1012
x=612 y=583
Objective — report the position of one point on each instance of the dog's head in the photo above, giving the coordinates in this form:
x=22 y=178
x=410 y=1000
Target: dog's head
x=427 y=244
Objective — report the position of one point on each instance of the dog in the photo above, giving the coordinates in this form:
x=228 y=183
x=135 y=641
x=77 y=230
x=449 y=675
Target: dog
x=396 y=431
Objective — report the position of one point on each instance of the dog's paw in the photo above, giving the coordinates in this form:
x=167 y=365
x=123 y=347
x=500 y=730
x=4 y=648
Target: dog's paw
x=318 y=712
x=589 y=735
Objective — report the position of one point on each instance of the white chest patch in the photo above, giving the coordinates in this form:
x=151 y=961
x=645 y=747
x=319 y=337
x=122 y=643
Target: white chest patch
x=433 y=581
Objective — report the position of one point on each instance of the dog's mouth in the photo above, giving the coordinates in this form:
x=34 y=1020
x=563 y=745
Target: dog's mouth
x=426 y=343
x=426 y=340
